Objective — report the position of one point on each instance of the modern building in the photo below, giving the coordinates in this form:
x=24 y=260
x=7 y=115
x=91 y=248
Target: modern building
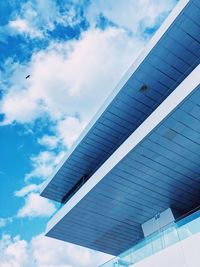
x=130 y=185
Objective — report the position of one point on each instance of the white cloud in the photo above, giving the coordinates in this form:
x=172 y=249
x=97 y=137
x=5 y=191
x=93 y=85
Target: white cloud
x=49 y=141
x=40 y=15
x=5 y=221
x=13 y=252
x=19 y=104
x=26 y=190
x=43 y=164
x=61 y=253
x=36 y=206
x=36 y=18
x=42 y=251
x=130 y=14
x=21 y=26
x=68 y=130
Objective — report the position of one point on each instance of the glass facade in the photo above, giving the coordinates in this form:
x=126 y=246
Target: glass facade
x=165 y=237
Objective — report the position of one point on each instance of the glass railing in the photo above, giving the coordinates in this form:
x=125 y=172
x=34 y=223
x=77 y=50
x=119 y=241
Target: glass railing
x=158 y=241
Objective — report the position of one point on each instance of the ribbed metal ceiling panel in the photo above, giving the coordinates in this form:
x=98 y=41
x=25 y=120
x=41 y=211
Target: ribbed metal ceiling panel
x=161 y=171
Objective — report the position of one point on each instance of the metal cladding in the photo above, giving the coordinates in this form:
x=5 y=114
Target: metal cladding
x=140 y=154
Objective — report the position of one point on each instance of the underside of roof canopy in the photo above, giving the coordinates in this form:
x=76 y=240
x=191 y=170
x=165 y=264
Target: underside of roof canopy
x=157 y=167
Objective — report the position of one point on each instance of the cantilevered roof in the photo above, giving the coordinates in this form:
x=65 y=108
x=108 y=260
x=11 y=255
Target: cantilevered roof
x=155 y=168
x=169 y=57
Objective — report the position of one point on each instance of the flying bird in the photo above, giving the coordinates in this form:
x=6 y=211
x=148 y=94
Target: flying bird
x=28 y=76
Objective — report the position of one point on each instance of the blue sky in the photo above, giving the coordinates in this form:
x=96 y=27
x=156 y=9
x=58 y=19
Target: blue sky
x=75 y=52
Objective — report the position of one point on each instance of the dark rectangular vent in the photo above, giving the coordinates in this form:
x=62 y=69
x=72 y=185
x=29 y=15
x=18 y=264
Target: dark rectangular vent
x=144 y=88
